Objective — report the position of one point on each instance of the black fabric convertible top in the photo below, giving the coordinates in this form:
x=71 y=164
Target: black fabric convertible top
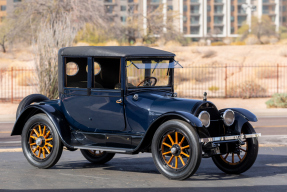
x=114 y=51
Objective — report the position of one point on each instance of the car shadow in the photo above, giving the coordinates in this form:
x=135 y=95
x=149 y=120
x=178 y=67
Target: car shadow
x=260 y=188
x=207 y=170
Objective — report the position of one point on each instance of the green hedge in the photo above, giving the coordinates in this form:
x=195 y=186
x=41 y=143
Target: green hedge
x=278 y=100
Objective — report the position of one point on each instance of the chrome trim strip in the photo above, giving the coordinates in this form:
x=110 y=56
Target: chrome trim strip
x=226 y=138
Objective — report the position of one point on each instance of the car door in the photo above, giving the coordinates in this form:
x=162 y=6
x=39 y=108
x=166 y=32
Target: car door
x=76 y=92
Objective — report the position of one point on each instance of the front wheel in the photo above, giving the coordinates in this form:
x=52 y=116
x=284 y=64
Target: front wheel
x=97 y=157
x=176 y=150
x=236 y=163
x=41 y=143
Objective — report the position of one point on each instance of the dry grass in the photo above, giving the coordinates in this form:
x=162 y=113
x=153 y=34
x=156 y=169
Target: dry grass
x=208 y=53
x=283 y=52
x=26 y=79
x=198 y=74
x=246 y=89
x=251 y=40
x=266 y=71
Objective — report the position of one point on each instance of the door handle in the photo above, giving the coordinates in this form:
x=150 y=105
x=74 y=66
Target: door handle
x=119 y=101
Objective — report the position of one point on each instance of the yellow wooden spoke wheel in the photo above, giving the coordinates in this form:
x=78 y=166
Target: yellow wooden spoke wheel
x=41 y=141
x=175 y=150
x=242 y=158
x=236 y=158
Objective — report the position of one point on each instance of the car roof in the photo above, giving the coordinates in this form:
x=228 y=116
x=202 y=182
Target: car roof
x=114 y=51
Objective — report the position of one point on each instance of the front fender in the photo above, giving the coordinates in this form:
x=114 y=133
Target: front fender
x=241 y=117
x=188 y=117
x=147 y=139
x=56 y=117
x=243 y=112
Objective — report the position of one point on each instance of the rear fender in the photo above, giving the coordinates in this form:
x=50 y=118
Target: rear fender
x=56 y=117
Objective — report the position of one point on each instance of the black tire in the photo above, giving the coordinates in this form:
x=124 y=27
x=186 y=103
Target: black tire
x=28 y=100
x=46 y=142
x=163 y=148
x=250 y=155
x=97 y=157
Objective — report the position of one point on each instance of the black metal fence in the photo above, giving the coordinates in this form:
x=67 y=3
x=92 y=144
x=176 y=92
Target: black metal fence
x=218 y=81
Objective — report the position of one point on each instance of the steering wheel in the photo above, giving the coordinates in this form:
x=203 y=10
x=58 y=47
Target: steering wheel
x=145 y=82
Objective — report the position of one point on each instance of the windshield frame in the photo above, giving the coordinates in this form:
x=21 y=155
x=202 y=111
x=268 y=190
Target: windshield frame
x=167 y=88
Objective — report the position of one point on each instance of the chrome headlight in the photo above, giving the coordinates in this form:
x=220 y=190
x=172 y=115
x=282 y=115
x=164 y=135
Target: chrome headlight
x=228 y=117
x=204 y=117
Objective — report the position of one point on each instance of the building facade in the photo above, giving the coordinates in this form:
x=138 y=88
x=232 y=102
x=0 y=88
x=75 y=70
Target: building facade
x=200 y=18
x=3 y=12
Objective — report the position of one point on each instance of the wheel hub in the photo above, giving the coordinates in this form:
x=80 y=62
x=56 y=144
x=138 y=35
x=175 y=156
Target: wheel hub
x=175 y=150
x=39 y=141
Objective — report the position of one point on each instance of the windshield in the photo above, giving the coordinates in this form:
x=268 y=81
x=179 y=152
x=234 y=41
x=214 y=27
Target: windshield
x=149 y=72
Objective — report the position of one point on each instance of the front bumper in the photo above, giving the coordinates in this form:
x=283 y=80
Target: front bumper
x=227 y=138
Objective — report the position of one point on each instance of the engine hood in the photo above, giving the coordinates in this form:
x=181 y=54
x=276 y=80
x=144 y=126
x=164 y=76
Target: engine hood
x=164 y=104
x=150 y=105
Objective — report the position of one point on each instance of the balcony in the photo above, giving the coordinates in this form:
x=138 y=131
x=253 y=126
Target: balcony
x=241 y=2
x=218 y=23
x=241 y=12
x=269 y=2
x=218 y=2
x=155 y=1
x=133 y=1
x=268 y=12
x=109 y=2
x=194 y=2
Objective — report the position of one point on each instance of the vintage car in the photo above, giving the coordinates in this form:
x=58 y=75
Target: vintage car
x=122 y=100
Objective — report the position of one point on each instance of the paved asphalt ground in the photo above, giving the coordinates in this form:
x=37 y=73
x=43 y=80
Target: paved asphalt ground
x=138 y=172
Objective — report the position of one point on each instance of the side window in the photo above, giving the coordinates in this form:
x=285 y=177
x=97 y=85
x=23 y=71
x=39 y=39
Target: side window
x=76 y=74
x=106 y=73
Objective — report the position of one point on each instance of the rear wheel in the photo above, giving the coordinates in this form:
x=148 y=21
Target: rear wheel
x=236 y=163
x=41 y=143
x=176 y=150
x=97 y=157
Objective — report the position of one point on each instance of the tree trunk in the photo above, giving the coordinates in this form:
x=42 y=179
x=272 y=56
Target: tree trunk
x=3 y=44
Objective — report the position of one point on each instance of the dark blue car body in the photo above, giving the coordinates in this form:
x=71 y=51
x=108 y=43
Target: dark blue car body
x=111 y=119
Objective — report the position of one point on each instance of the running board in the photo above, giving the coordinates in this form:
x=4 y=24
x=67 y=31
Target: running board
x=108 y=149
x=226 y=138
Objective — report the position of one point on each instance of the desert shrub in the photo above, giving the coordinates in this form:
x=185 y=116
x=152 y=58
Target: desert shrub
x=112 y=43
x=201 y=42
x=283 y=52
x=196 y=74
x=219 y=43
x=251 y=40
x=245 y=90
x=266 y=71
x=278 y=100
x=26 y=79
x=213 y=88
x=273 y=40
x=265 y=39
x=172 y=44
x=208 y=53
x=238 y=43
x=227 y=40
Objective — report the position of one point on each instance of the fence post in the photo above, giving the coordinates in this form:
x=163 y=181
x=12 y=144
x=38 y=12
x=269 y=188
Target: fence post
x=11 y=84
x=225 y=80
x=277 y=78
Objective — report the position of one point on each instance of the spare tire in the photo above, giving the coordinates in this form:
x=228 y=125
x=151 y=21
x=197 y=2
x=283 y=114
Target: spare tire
x=28 y=100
